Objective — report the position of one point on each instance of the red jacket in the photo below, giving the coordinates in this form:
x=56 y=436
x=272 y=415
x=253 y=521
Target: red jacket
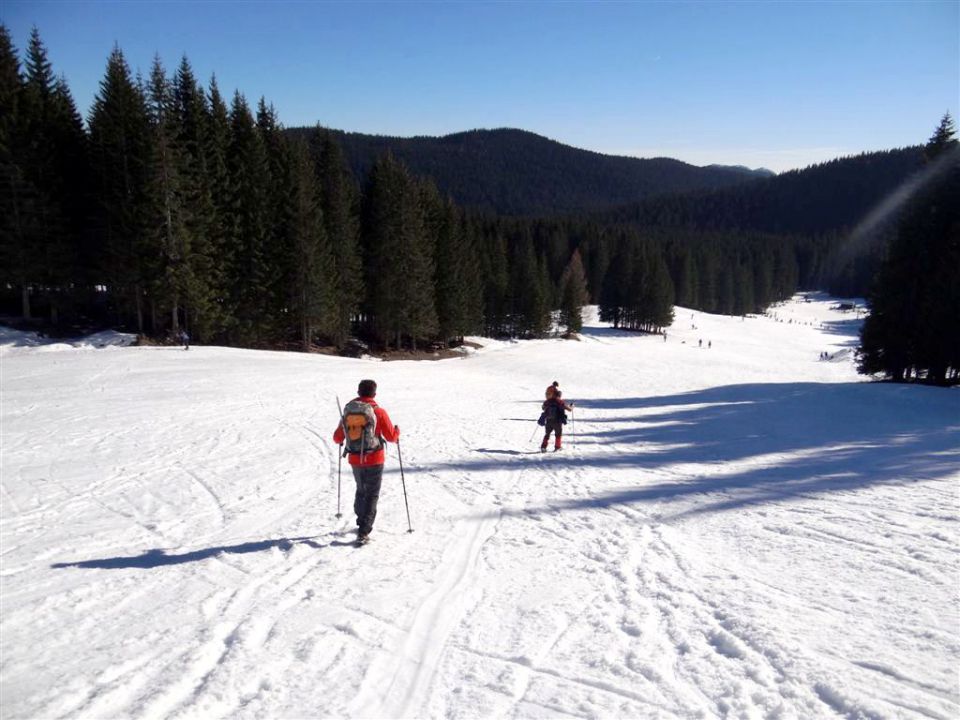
x=384 y=430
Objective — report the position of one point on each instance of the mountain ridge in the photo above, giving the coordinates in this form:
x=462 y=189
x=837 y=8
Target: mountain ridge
x=511 y=171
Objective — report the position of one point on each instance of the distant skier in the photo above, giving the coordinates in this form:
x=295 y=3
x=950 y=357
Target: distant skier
x=363 y=428
x=555 y=417
x=184 y=339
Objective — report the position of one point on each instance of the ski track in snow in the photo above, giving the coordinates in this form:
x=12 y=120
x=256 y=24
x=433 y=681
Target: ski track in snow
x=741 y=531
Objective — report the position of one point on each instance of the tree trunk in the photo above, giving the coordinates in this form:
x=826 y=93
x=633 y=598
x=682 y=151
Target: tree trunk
x=25 y=299
x=139 y=304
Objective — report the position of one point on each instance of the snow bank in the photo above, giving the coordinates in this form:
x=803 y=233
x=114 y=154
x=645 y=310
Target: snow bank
x=16 y=340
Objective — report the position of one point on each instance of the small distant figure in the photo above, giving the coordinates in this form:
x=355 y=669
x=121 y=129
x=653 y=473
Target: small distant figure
x=701 y=343
x=664 y=336
x=552 y=389
x=709 y=344
x=184 y=339
x=555 y=417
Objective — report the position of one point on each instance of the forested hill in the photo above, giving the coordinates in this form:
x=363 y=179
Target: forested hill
x=830 y=197
x=515 y=172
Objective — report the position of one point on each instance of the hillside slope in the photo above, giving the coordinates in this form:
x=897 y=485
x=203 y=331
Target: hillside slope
x=515 y=172
x=739 y=530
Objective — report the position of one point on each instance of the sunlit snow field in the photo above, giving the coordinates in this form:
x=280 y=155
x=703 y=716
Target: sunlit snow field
x=740 y=530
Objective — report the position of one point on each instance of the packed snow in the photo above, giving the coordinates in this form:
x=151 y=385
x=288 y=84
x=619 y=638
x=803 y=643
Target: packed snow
x=734 y=528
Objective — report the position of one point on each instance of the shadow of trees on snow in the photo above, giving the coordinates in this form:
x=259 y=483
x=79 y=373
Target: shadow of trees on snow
x=755 y=443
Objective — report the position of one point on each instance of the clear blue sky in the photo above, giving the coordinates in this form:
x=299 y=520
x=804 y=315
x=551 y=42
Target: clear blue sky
x=774 y=84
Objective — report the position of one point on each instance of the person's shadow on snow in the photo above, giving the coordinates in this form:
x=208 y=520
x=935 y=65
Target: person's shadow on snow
x=158 y=557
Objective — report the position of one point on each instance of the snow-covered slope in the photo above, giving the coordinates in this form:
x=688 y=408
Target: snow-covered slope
x=740 y=530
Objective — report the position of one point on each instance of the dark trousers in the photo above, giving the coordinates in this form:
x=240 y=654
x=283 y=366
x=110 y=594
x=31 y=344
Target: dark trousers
x=368 y=492
x=557 y=428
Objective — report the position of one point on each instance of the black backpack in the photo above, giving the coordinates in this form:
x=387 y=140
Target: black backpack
x=555 y=412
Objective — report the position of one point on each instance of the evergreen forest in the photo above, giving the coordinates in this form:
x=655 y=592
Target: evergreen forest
x=174 y=207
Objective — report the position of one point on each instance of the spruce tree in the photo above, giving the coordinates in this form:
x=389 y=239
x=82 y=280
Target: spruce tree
x=278 y=254
x=310 y=292
x=530 y=312
x=399 y=256
x=914 y=321
x=15 y=243
x=250 y=282
x=573 y=294
x=169 y=243
x=496 y=279
x=48 y=138
x=120 y=159
x=203 y=291
x=340 y=204
x=216 y=147
x=457 y=282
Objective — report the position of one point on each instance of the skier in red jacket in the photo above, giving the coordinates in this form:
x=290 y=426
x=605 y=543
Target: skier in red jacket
x=555 y=416
x=364 y=427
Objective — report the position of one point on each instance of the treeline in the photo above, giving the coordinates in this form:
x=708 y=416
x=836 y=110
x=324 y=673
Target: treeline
x=173 y=210
x=913 y=330
x=825 y=203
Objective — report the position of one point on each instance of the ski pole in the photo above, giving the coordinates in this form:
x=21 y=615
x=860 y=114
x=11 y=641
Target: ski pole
x=340 y=453
x=404 y=483
x=533 y=434
x=339 y=465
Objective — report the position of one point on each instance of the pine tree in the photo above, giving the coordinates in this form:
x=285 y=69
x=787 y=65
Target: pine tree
x=15 y=244
x=216 y=147
x=573 y=294
x=312 y=284
x=48 y=138
x=250 y=281
x=496 y=280
x=457 y=284
x=340 y=204
x=614 y=296
x=914 y=321
x=399 y=256
x=204 y=287
x=278 y=254
x=530 y=312
x=168 y=237
x=120 y=160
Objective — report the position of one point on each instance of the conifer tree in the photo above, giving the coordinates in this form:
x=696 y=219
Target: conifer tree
x=168 y=238
x=250 y=282
x=340 y=204
x=530 y=312
x=49 y=137
x=914 y=321
x=205 y=280
x=216 y=147
x=399 y=256
x=496 y=280
x=278 y=254
x=573 y=294
x=312 y=282
x=615 y=294
x=15 y=266
x=120 y=160
x=457 y=284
